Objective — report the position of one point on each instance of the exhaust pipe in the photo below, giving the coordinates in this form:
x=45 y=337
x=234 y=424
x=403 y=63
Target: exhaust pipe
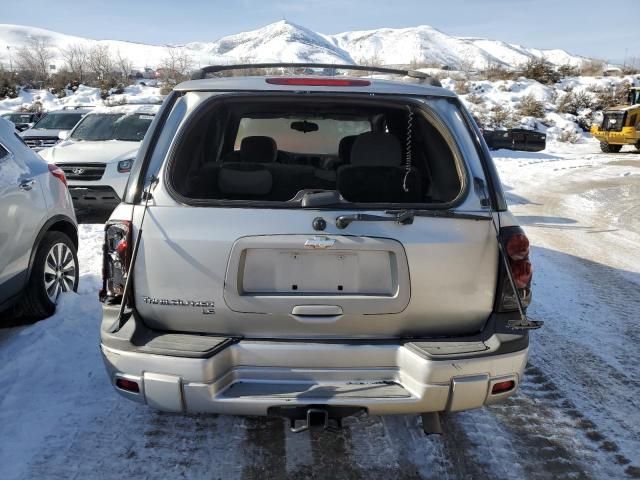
x=431 y=423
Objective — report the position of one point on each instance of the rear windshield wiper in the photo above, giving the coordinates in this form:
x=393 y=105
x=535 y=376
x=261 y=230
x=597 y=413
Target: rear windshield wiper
x=405 y=217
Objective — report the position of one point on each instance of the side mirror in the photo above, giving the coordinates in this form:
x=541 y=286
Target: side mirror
x=63 y=134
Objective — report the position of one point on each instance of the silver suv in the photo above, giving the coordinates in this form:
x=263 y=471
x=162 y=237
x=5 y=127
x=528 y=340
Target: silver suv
x=313 y=247
x=38 y=230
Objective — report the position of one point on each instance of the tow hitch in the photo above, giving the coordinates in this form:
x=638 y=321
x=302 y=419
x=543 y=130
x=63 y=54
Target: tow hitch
x=314 y=417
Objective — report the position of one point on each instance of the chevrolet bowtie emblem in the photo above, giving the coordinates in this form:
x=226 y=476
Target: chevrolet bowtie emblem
x=319 y=242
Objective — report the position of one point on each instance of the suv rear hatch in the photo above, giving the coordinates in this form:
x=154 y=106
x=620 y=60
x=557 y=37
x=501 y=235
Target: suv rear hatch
x=269 y=222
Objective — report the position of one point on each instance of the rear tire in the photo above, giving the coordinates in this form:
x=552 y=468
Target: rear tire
x=608 y=148
x=55 y=270
x=638 y=145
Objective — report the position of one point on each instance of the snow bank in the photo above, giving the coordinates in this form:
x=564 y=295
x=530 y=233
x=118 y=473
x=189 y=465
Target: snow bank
x=496 y=103
x=83 y=96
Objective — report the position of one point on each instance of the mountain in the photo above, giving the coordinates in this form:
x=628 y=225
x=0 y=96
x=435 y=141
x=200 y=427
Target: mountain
x=284 y=41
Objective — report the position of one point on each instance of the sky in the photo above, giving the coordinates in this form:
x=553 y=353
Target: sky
x=573 y=25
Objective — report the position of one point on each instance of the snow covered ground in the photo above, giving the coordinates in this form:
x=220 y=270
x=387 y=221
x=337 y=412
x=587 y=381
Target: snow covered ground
x=83 y=96
x=577 y=414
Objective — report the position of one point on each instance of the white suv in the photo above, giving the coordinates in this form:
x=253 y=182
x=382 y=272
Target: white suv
x=38 y=231
x=313 y=247
x=97 y=155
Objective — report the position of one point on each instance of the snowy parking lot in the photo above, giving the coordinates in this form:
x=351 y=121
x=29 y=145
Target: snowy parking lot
x=577 y=414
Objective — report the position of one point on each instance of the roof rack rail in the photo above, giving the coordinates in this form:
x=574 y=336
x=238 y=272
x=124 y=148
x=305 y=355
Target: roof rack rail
x=202 y=73
x=77 y=107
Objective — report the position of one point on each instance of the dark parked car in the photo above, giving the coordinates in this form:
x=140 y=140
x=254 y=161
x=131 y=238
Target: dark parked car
x=515 y=139
x=22 y=120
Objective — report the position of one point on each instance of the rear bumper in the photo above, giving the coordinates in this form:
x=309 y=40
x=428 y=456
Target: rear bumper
x=93 y=197
x=250 y=377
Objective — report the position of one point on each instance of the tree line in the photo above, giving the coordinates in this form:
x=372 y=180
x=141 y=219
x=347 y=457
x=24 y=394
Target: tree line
x=96 y=66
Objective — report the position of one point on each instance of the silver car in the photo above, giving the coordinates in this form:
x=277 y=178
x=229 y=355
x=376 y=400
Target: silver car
x=314 y=247
x=48 y=131
x=38 y=231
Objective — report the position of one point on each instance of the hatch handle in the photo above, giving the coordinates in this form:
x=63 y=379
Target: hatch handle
x=317 y=310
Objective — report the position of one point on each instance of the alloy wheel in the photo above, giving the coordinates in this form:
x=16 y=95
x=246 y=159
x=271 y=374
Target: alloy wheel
x=60 y=271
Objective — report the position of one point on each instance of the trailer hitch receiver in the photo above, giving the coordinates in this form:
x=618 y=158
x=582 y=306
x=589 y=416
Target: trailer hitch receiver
x=311 y=417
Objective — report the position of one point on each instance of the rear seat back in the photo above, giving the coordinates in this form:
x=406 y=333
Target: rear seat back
x=376 y=174
x=253 y=171
x=244 y=179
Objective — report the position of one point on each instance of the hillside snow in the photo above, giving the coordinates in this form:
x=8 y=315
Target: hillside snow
x=285 y=41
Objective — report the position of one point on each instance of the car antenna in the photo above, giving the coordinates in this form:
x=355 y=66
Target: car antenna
x=525 y=323
x=147 y=195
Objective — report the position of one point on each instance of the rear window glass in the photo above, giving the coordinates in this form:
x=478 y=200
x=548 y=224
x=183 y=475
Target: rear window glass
x=101 y=127
x=59 y=121
x=364 y=152
x=302 y=135
x=18 y=117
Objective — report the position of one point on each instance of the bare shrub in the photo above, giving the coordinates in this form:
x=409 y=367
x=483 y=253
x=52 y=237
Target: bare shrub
x=501 y=117
x=76 y=59
x=123 y=66
x=59 y=82
x=373 y=61
x=497 y=72
x=568 y=70
x=592 y=68
x=475 y=98
x=540 y=70
x=8 y=86
x=175 y=67
x=34 y=59
x=573 y=102
x=609 y=97
x=462 y=87
x=415 y=63
x=100 y=63
x=34 y=107
x=631 y=66
x=529 y=106
x=466 y=66
x=569 y=136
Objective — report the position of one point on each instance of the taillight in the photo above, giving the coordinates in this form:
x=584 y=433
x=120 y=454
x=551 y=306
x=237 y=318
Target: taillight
x=516 y=246
x=128 y=385
x=116 y=259
x=319 y=82
x=503 y=387
x=57 y=172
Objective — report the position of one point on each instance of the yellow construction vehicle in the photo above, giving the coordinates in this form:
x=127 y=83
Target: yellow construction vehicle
x=620 y=125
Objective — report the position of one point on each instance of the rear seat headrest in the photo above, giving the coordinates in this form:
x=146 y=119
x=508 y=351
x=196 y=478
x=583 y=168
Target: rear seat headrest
x=376 y=149
x=345 y=146
x=258 y=149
